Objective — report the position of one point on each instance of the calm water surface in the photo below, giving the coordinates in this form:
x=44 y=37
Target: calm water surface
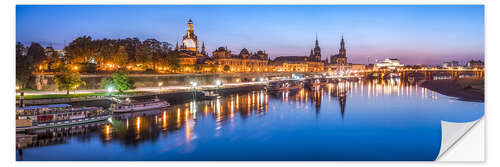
x=364 y=120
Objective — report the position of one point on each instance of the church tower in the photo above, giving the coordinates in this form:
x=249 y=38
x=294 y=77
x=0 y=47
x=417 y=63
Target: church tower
x=342 y=48
x=316 y=51
x=190 y=40
x=342 y=56
x=203 y=52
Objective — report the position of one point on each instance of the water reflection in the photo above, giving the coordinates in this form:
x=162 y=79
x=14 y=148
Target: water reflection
x=149 y=125
x=183 y=124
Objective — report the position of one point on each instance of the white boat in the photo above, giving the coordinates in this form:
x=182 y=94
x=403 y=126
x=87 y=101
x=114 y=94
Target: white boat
x=283 y=85
x=131 y=106
x=55 y=115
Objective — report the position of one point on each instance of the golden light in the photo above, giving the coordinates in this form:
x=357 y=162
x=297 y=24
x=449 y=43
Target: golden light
x=75 y=68
x=164 y=119
x=107 y=131
x=138 y=123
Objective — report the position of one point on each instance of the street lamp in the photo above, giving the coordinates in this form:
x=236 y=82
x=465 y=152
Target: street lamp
x=160 y=84
x=194 y=84
x=110 y=90
x=218 y=83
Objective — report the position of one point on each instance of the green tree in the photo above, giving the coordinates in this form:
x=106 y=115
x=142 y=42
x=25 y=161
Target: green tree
x=23 y=68
x=120 y=57
x=68 y=80
x=143 y=55
x=173 y=61
x=106 y=83
x=120 y=81
x=82 y=49
x=155 y=48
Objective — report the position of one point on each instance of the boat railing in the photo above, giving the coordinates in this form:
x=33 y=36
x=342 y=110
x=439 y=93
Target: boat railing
x=57 y=121
x=35 y=113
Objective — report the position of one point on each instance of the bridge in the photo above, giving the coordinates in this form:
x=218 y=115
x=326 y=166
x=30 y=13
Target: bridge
x=424 y=73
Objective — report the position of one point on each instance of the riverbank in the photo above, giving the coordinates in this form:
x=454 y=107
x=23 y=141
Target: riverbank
x=173 y=97
x=463 y=89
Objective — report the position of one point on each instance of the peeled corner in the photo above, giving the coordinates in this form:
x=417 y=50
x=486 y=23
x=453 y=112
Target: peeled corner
x=451 y=132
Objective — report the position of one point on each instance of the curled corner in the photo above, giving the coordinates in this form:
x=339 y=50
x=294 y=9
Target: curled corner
x=451 y=132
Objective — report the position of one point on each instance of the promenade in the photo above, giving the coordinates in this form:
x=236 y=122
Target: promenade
x=159 y=89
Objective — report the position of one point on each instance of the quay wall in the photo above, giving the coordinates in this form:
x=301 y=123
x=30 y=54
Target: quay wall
x=93 y=81
x=172 y=97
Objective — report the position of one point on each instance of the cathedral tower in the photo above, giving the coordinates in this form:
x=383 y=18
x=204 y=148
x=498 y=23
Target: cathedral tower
x=316 y=56
x=342 y=48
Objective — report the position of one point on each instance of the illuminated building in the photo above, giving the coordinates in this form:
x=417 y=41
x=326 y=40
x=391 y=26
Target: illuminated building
x=243 y=62
x=475 y=64
x=311 y=63
x=452 y=64
x=340 y=58
x=296 y=64
x=316 y=52
x=190 y=40
x=191 y=59
x=339 y=62
x=389 y=63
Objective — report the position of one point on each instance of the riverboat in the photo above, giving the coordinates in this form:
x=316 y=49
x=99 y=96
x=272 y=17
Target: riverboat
x=132 y=106
x=312 y=82
x=55 y=115
x=284 y=85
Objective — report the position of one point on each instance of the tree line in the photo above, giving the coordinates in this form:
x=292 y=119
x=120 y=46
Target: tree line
x=121 y=53
x=147 y=54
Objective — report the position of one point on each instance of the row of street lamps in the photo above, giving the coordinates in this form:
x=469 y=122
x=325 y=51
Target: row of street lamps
x=194 y=85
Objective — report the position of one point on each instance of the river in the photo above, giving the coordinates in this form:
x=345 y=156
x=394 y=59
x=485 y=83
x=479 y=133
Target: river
x=359 y=120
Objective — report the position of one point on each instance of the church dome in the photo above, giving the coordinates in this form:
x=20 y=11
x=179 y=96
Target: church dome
x=244 y=51
x=221 y=49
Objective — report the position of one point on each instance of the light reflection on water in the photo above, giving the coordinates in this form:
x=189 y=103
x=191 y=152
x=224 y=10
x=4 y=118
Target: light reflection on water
x=362 y=120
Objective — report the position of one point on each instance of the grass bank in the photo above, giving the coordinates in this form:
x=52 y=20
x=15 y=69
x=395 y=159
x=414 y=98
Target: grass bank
x=71 y=95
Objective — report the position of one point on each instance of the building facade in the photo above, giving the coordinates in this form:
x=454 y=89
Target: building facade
x=475 y=64
x=242 y=62
x=451 y=64
x=296 y=64
x=390 y=63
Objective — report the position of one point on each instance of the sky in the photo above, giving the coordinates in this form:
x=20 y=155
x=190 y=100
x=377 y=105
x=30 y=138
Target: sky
x=415 y=34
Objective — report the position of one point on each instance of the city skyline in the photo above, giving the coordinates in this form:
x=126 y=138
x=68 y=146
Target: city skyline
x=414 y=34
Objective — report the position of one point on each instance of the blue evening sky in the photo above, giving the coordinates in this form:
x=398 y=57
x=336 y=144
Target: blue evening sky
x=427 y=34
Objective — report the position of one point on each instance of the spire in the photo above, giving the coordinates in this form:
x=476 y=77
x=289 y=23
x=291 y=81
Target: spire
x=177 y=46
x=342 y=42
x=311 y=53
x=342 y=50
x=203 y=47
x=317 y=44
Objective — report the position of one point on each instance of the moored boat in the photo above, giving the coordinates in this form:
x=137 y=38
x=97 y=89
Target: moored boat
x=284 y=85
x=312 y=82
x=54 y=115
x=131 y=106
